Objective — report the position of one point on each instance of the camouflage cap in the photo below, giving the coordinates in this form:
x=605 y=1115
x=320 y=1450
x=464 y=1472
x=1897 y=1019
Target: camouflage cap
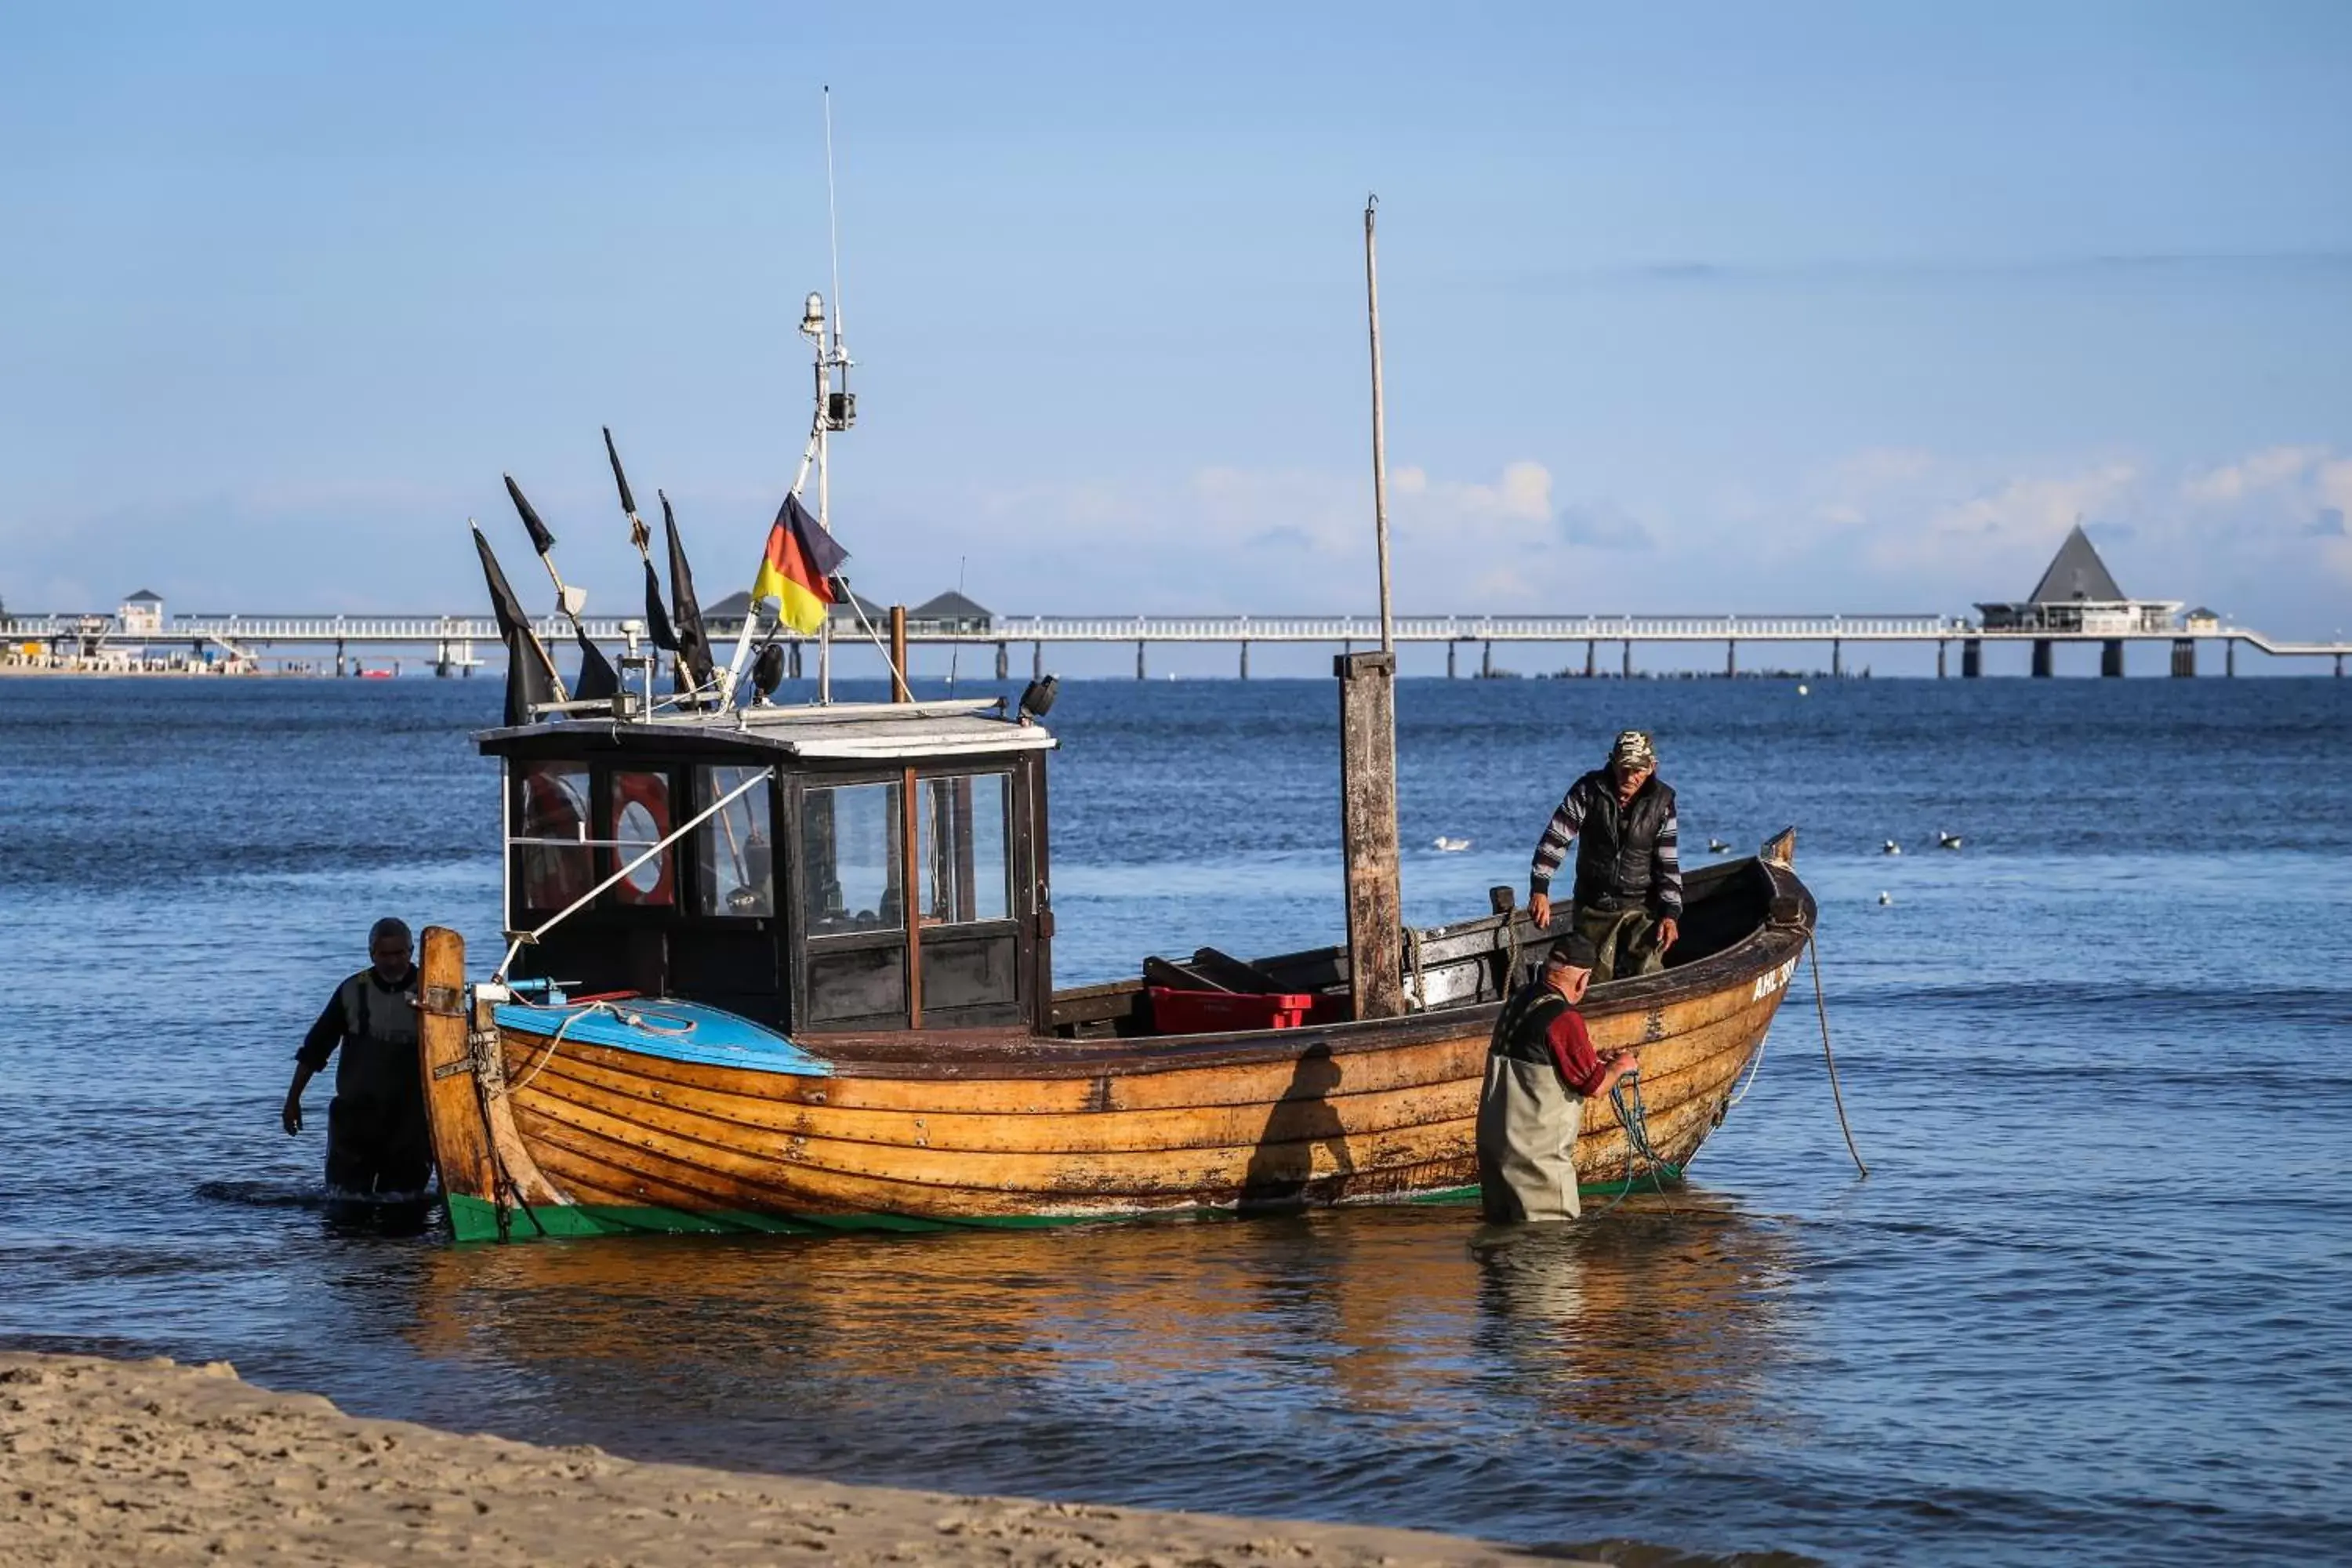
x=1634 y=750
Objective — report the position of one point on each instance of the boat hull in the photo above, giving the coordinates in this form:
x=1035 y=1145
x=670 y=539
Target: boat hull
x=552 y=1136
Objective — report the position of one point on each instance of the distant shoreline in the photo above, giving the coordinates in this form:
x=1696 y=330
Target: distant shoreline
x=114 y=1461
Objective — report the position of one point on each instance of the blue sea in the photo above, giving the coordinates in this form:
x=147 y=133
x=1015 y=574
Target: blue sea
x=2093 y=1301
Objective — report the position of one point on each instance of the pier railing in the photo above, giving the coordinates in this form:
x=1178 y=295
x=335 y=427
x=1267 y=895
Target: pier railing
x=449 y=634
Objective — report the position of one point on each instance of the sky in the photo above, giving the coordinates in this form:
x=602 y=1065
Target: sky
x=1696 y=309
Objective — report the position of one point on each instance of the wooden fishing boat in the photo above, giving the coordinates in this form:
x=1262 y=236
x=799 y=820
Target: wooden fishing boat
x=763 y=1030
x=792 y=968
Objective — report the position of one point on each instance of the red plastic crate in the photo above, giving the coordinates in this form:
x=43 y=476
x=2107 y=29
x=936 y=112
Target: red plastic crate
x=1177 y=1012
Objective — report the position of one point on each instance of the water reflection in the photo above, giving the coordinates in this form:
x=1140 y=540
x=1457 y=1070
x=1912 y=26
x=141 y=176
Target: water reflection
x=1047 y=1355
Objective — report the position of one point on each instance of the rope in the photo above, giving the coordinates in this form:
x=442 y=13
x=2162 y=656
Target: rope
x=1823 y=1007
x=586 y=1010
x=1633 y=1115
x=1754 y=1066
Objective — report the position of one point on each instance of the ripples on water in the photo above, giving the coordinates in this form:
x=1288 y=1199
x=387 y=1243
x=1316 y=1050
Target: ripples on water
x=2095 y=1302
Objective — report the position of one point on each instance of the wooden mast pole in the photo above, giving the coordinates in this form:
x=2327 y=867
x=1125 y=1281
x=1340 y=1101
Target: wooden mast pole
x=1380 y=426
x=1368 y=817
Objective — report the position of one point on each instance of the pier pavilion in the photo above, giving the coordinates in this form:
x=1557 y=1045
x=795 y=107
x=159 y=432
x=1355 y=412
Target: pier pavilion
x=2078 y=598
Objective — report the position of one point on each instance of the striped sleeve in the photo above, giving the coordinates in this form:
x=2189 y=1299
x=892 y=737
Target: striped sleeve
x=1552 y=847
x=1666 y=869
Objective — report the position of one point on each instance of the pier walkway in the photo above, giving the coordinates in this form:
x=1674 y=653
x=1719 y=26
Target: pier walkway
x=451 y=639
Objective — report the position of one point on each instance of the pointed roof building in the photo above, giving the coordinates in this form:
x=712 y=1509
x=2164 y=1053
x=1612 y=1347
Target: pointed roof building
x=2077 y=593
x=2076 y=573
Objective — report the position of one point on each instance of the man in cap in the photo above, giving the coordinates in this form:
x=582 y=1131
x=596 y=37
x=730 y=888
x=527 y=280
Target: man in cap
x=1628 y=897
x=378 y=1144
x=1540 y=1070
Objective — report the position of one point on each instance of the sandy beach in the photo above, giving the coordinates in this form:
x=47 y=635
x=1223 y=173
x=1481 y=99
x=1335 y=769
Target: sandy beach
x=106 y=1462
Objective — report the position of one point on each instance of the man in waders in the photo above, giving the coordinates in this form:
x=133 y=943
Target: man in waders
x=1540 y=1070
x=1629 y=876
x=377 y=1142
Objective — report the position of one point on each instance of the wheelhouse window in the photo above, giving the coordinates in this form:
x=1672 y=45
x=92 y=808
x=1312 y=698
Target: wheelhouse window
x=642 y=818
x=738 y=855
x=553 y=863
x=966 y=863
x=849 y=847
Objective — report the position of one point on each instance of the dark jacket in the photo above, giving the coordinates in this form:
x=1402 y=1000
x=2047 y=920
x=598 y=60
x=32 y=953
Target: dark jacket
x=376 y=1024
x=1623 y=857
x=1536 y=1025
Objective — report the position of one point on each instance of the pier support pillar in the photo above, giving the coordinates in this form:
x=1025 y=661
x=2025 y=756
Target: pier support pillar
x=2229 y=657
x=1244 y=659
x=2184 y=657
x=2111 y=659
x=1138 y=659
x=1591 y=667
x=1036 y=661
x=1487 y=661
x=338 y=658
x=1625 y=663
x=1971 y=658
x=1451 y=646
x=792 y=658
x=1730 y=659
x=1004 y=660
x=1837 y=656
x=2042 y=658
x=1367 y=830
x=2339 y=666
x=1942 y=647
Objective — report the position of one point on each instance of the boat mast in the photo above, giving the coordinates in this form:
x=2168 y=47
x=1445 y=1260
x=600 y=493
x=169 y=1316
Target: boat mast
x=1380 y=426
x=1368 y=813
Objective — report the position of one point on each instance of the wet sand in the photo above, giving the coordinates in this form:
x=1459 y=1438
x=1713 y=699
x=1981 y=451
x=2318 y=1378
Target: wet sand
x=109 y=1462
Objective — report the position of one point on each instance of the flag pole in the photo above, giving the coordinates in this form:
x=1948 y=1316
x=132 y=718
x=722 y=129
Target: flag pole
x=1379 y=427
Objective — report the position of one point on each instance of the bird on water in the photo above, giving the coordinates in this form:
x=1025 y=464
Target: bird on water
x=1718 y=847
x=1445 y=846
x=1890 y=847
x=1947 y=840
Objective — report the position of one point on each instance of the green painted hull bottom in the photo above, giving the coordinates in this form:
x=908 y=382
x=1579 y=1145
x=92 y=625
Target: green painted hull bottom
x=477 y=1219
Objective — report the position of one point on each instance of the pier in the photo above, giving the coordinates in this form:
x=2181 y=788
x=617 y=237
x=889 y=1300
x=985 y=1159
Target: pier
x=448 y=643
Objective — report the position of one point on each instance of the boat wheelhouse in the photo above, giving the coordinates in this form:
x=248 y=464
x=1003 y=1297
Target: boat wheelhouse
x=860 y=867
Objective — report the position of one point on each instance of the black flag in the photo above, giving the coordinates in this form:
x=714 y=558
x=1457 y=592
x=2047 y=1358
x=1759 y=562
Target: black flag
x=530 y=675
x=694 y=667
x=541 y=539
x=658 y=624
x=598 y=681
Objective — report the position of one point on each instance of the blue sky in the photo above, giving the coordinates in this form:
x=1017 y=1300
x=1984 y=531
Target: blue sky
x=1754 y=307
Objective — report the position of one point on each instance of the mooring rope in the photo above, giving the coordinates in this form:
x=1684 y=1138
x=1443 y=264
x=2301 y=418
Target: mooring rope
x=586 y=1010
x=1822 y=1006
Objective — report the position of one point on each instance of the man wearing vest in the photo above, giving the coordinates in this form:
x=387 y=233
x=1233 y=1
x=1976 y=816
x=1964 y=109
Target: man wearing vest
x=1540 y=1070
x=1629 y=877
x=378 y=1144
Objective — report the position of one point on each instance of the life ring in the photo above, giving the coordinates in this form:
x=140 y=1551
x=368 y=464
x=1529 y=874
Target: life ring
x=554 y=806
x=641 y=817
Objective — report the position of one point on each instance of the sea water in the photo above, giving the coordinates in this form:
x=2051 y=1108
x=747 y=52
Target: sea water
x=2093 y=1301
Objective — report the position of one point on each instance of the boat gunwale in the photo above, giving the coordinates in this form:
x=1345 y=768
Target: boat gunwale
x=1766 y=947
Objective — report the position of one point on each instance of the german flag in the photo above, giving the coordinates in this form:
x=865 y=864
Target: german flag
x=797 y=570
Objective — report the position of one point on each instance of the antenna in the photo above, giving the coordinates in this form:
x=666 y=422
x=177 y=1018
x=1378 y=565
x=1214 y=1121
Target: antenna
x=831 y=220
